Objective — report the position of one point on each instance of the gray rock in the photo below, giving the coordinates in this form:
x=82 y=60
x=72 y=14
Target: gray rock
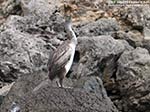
x=36 y=7
x=21 y=52
x=4 y=91
x=91 y=84
x=137 y=17
x=8 y=71
x=146 y=13
x=134 y=17
x=146 y=33
x=146 y=44
x=134 y=38
x=49 y=98
x=10 y=7
x=25 y=42
x=100 y=27
x=31 y=82
x=93 y=51
x=133 y=76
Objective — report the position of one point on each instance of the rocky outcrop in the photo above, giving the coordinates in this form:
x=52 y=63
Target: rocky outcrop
x=133 y=80
x=93 y=51
x=134 y=22
x=135 y=39
x=146 y=45
x=33 y=93
x=100 y=48
x=26 y=42
x=100 y=27
x=9 y=7
x=4 y=91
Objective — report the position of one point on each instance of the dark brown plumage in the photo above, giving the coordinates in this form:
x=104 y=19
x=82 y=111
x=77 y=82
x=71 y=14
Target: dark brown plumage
x=59 y=59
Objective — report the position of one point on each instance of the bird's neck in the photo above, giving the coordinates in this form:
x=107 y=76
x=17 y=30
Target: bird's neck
x=71 y=34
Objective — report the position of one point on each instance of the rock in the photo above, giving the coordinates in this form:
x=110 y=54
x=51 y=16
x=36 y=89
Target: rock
x=93 y=51
x=4 y=91
x=10 y=7
x=49 y=98
x=25 y=42
x=8 y=71
x=39 y=8
x=134 y=38
x=100 y=27
x=146 y=13
x=146 y=44
x=21 y=52
x=133 y=76
x=146 y=32
x=91 y=84
x=136 y=17
x=32 y=81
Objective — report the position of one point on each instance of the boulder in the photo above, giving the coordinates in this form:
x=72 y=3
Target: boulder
x=93 y=55
x=91 y=84
x=4 y=91
x=35 y=94
x=100 y=27
x=38 y=8
x=137 y=18
x=26 y=42
x=146 y=45
x=62 y=100
x=133 y=78
x=134 y=38
x=20 y=53
x=146 y=33
x=10 y=7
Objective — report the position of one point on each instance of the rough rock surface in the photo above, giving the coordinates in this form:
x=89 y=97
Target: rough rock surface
x=4 y=91
x=90 y=84
x=25 y=42
x=9 y=7
x=100 y=27
x=94 y=50
x=134 y=23
x=133 y=77
x=134 y=38
x=34 y=96
x=146 y=45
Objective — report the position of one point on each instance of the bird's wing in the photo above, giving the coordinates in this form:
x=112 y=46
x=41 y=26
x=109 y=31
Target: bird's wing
x=60 y=57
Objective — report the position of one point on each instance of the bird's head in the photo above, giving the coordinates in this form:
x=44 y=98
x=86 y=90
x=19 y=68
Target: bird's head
x=68 y=21
x=67 y=15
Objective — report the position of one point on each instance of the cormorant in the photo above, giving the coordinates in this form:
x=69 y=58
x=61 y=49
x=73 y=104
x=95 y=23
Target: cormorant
x=61 y=59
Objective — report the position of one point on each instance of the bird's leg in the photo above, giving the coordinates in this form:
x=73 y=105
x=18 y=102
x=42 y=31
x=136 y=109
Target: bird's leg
x=57 y=83
x=61 y=83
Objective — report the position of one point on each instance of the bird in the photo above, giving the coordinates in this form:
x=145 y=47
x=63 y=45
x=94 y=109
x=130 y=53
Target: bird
x=61 y=59
x=14 y=107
